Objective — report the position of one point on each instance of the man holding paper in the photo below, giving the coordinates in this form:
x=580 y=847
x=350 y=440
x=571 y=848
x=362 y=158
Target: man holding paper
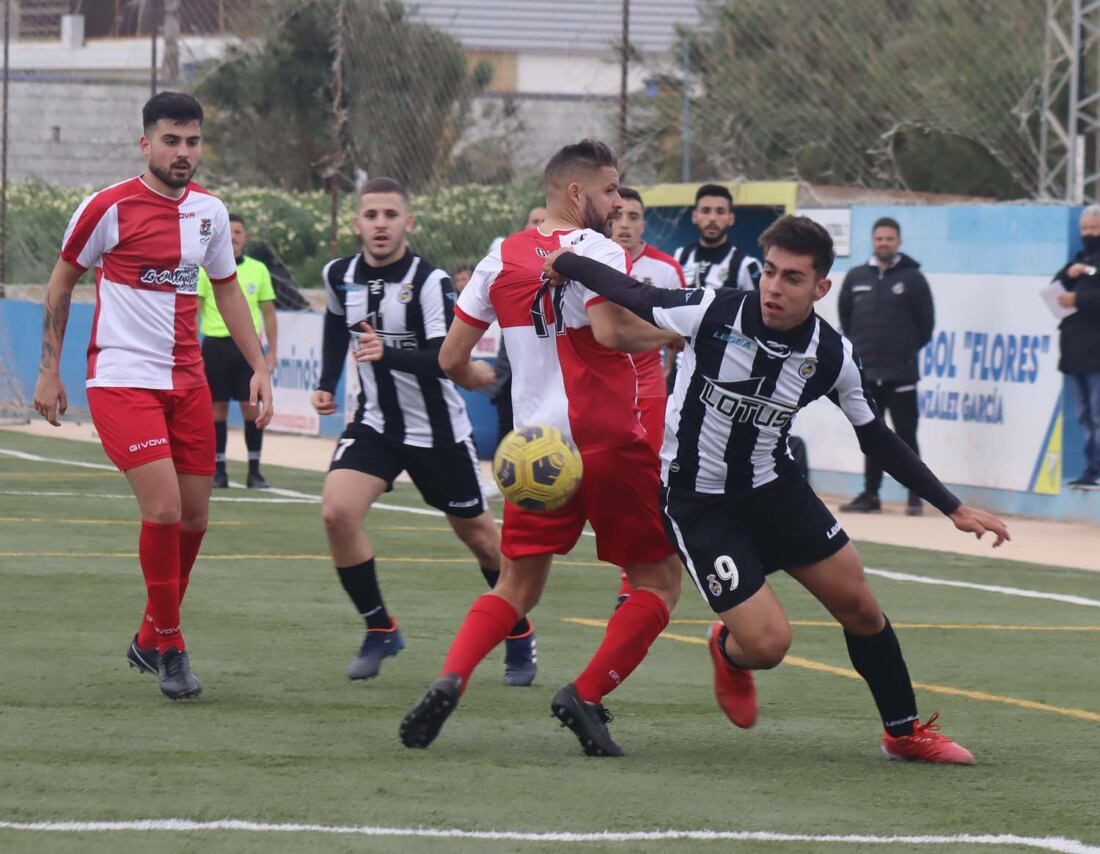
x=1080 y=340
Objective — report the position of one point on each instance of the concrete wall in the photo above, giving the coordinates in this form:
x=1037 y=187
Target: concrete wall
x=74 y=134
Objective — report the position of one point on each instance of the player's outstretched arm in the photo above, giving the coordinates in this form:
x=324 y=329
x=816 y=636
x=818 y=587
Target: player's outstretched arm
x=454 y=356
x=233 y=308
x=977 y=522
x=50 y=400
x=897 y=459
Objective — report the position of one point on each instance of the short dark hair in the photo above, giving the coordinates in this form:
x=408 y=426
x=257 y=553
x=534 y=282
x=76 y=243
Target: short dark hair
x=886 y=222
x=463 y=268
x=586 y=155
x=385 y=185
x=714 y=190
x=802 y=236
x=178 y=107
x=237 y=218
x=632 y=194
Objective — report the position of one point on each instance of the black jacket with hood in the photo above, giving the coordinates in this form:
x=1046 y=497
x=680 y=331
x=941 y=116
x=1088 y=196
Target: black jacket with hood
x=888 y=316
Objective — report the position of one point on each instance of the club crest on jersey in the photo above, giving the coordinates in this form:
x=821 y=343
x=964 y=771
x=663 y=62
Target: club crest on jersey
x=405 y=295
x=742 y=402
x=206 y=230
x=808 y=368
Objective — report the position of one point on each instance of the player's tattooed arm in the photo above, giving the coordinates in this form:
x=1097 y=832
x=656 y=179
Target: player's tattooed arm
x=50 y=400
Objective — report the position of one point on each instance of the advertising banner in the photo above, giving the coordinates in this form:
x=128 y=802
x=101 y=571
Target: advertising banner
x=989 y=393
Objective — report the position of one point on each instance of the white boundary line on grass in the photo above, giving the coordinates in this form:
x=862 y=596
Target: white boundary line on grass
x=290 y=496
x=179 y=825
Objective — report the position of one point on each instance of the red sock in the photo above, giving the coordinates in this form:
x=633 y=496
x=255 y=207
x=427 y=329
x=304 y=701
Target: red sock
x=159 y=551
x=631 y=630
x=190 y=541
x=624 y=583
x=487 y=623
x=189 y=550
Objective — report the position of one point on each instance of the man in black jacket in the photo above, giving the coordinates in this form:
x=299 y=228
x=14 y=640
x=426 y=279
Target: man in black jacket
x=886 y=310
x=1080 y=340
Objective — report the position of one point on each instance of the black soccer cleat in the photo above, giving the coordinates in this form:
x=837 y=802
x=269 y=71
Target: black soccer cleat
x=865 y=502
x=177 y=682
x=145 y=660
x=221 y=480
x=588 y=721
x=255 y=480
x=424 y=721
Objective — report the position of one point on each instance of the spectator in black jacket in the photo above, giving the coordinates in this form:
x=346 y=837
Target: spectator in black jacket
x=1080 y=340
x=886 y=311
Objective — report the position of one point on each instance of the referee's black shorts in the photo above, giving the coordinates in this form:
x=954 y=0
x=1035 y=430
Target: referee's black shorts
x=227 y=372
x=730 y=544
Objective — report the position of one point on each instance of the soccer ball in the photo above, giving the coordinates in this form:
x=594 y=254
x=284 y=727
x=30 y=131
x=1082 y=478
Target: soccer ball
x=537 y=468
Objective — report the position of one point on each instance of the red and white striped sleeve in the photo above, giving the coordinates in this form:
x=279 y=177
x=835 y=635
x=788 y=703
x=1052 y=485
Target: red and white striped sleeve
x=92 y=232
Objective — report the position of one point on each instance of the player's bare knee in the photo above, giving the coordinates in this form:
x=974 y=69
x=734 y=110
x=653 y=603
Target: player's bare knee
x=338 y=520
x=768 y=649
x=164 y=512
x=483 y=541
x=194 y=520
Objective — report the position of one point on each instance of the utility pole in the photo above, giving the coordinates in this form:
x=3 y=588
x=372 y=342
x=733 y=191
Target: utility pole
x=624 y=70
x=4 y=151
x=172 y=40
x=153 y=47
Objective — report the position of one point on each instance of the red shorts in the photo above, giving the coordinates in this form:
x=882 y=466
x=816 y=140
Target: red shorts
x=653 y=420
x=140 y=425
x=619 y=495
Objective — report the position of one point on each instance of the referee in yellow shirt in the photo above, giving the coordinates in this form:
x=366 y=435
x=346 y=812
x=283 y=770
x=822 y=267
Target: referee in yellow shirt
x=226 y=370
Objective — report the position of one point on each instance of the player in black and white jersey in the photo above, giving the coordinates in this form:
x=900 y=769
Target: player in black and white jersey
x=714 y=261
x=396 y=307
x=735 y=503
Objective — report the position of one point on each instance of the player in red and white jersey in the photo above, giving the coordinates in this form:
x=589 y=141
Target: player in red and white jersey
x=568 y=371
x=147 y=392
x=654 y=267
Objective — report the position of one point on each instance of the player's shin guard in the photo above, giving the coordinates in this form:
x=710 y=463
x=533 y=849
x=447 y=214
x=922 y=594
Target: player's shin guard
x=630 y=632
x=159 y=552
x=487 y=623
x=522 y=626
x=190 y=543
x=878 y=659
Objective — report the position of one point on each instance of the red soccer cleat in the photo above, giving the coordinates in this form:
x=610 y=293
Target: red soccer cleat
x=926 y=744
x=733 y=687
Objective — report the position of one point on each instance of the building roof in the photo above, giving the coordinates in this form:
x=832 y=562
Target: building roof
x=547 y=26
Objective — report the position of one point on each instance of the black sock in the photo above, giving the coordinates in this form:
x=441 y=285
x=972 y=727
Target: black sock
x=361 y=583
x=253 y=440
x=220 y=437
x=722 y=635
x=522 y=627
x=878 y=660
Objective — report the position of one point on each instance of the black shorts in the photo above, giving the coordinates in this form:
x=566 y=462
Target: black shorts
x=446 y=477
x=730 y=543
x=227 y=372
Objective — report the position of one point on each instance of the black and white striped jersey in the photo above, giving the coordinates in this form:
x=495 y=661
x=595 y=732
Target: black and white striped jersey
x=410 y=305
x=723 y=266
x=740 y=387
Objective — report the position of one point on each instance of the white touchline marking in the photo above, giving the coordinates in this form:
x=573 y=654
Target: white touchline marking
x=988 y=588
x=290 y=496
x=1044 y=843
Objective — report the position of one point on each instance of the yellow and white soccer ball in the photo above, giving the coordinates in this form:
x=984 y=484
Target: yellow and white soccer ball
x=537 y=468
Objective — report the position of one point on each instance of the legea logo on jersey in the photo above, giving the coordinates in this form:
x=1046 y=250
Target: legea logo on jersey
x=741 y=402
x=184 y=279
x=733 y=337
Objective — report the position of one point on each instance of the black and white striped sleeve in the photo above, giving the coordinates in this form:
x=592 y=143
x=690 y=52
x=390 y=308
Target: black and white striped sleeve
x=334 y=336
x=848 y=393
x=437 y=304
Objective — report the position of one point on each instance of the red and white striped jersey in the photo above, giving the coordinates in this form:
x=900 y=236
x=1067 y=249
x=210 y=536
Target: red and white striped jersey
x=147 y=249
x=561 y=376
x=655 y=268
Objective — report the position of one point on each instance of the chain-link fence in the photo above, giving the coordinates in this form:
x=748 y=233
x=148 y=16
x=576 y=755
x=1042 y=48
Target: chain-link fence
x=464 y=100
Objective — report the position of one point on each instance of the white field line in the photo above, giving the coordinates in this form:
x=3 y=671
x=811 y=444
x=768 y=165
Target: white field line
x=290 y=496
x=179 y=825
